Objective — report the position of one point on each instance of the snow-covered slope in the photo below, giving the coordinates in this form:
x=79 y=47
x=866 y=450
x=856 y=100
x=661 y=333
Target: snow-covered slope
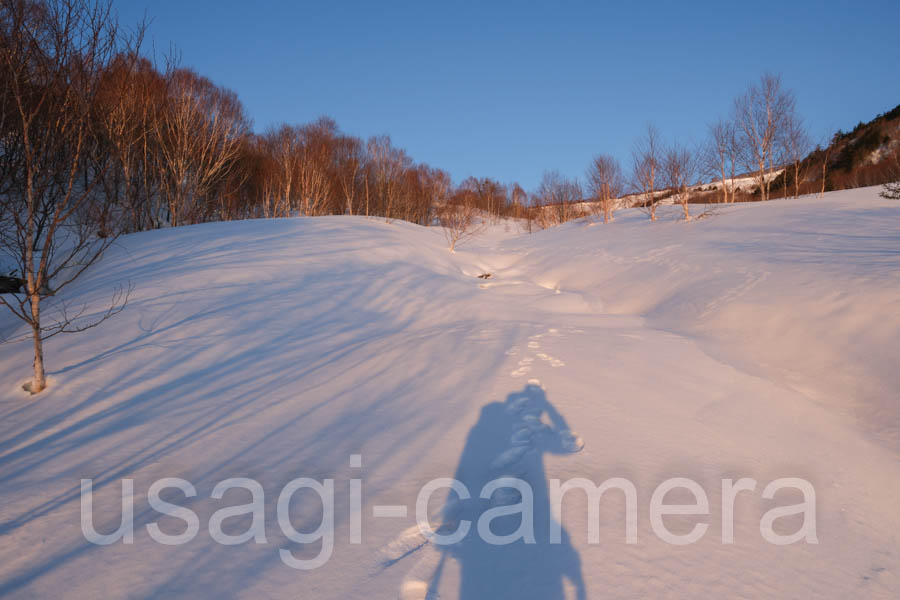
x=759 y=342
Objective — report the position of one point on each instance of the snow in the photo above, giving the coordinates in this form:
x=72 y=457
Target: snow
x=743 y=183
x=758 y=342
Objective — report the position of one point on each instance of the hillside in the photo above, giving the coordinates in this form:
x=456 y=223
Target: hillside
x=867 y=155
x=868 y=143
x=760 y=342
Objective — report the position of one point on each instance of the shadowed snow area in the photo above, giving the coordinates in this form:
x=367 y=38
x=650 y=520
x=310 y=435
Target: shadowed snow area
x=759 y=342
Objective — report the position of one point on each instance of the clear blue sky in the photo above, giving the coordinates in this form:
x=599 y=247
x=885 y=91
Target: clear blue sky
x=510 y=89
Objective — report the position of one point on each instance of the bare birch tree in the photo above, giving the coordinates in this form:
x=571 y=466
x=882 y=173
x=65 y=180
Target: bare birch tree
x=721 y=156
x=283 y=145
x=518 y=197
x=386 y=167
x=557 y=194
x=316 y=165
x=760 y=117
x=126 y=110
x=605 y=183
x=646 y=162
x=350 y=169
x=52 y=56
x=678 y=169
x=199 y=136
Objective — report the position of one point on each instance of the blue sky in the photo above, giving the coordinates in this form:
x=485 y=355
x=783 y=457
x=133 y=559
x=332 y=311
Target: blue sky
x=510 y=89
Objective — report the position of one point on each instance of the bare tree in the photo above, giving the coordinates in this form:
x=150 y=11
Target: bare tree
x=488 y=194
x=261 y=191
x=646 y=162
x=126 y=109
x=678 y=169
x=761 y=115
x=517 y=196
x=386 y=167
x=492 y=197
x=795 y=147
x=350 y=169
x=721 y=156
x=605 y=183
x=558 y=194
x=460 y=218
x=825 y=157
x=283 y=144
x=147 y=109
x=199 y=134
x=438 y=187
x=51 y=64
x=518 y=199
x=316 y=165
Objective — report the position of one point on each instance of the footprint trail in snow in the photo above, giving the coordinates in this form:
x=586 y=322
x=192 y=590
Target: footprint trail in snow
x=534 y=345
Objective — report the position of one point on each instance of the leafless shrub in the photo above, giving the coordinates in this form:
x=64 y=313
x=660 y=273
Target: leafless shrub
x=461 y=221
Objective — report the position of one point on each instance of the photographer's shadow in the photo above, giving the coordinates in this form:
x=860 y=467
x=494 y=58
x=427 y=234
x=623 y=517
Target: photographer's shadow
x=510 y=440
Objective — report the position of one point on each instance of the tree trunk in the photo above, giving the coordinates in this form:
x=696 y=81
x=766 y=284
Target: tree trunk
x=762 y=180
x=38 y=381
x=824 y=172
x=732 y=181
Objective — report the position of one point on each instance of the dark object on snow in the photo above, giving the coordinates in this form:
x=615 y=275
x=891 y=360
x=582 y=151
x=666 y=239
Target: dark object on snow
x=484 y=276
x=10 y=285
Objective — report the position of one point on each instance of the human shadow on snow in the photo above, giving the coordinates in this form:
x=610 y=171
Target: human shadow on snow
x=510 y=439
